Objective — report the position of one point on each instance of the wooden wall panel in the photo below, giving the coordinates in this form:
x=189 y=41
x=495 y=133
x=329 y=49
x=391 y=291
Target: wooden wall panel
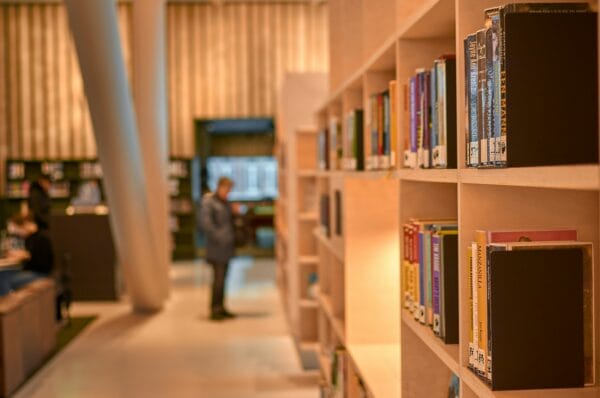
x=224 y=60
x=228 y=59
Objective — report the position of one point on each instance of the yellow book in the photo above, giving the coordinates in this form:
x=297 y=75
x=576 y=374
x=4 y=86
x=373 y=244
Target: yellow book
x=393 y=123
x=469 y=272
x=482 y=315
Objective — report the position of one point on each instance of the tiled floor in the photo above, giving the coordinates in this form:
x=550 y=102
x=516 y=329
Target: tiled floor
x=178 y=352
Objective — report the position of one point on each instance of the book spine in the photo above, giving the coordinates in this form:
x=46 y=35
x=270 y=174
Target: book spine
x=404 y=270
x=416 y=273
x=434 y=120
x=488 y=374
x=475 y=306
x=427 y=120
x=422 y=277
x=393 y=123
x=419 y=111
x=385 y=162
x=375 y=134
x=380 y=131
x=406 y=133
x=489 y=95
x=427 y=250
x=359 y=151
x=469 y=273
x=412 y=157
x=481 y=99
x=502 y=140
x=473 y=138
x=493 y=16
x=481 y=281
x=435 y=246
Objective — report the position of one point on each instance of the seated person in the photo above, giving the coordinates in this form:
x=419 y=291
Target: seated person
x=37 y=258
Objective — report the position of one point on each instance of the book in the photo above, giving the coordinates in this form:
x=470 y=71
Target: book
x=407 y=126
x=469 y=272
x=546 y=350
x=412 y=153
x=528 y=115
x=338 y=213
x=449 y=286
x=481 y=285
x=588 y=293
x=471 y=98
x=393 y=147
x=385 y=159
x=482 y=98
x=444 y=149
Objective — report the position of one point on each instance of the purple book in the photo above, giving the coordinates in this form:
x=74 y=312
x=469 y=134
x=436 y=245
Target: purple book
x=435 y=248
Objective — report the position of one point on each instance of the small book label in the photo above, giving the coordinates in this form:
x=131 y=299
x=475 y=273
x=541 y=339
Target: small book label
x=474 y=153
x=352 y=164
x=426 y=158
x=422 y=314
x=484 y=150
x=420 y=157
x=384 y=162
x=436 y=324
x=472 y=356
x=481 y=362
x=439 y=156
x=501 y=149
x=407 y=159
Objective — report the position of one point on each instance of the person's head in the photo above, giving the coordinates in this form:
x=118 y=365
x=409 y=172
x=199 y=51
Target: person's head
x=224 y=187
x=44 y=182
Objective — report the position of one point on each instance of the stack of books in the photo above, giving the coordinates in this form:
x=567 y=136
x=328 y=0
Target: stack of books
x=430 y=275
x=521 y=108
x=531 y=309
x=430 y=105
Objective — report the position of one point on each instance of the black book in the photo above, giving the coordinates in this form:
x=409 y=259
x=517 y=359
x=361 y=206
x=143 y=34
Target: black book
x=359 y=151
x=449 y=288
x=549 y=85
x=536 y=300
x=324 y=207
x=338 y=213
x=450 y=112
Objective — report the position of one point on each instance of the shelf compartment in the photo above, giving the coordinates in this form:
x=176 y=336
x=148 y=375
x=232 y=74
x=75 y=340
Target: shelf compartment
x=337 y=324
x=482 y=390
x=447 y=353
x=378 y=366
x=318 y=233
x=581 y=177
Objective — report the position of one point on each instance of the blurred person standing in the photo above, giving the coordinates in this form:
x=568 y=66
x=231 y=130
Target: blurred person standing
x=39 y=202
x=216 y=219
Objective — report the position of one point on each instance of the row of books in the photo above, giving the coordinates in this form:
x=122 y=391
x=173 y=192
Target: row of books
x=521 y=109
x=381 y=138
x=531 y=309
x=55 y=170
x=352 y=148
x=181 y=206
x=178 y=169
x=20 y=189
x=430 y=275
x=90 y=170
x=430 y=104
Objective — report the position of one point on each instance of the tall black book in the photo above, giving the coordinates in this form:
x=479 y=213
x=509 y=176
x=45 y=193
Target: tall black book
x=324 y=217
x=536 y=300
x=449 y=288
x=550 y=83
x=338 y=213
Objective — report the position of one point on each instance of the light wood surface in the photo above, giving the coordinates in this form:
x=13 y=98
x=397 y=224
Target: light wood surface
x=379 y=367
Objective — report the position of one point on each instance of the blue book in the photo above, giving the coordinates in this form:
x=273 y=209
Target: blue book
x=471 y=98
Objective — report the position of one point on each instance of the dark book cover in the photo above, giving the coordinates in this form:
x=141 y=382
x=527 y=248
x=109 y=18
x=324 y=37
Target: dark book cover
x=449 y=288
x=359 y=146
x=551 y=85
x=338 y=213
x=536 y=305
x=448 y=122
x=426 y=112
x=481 y=98
x=324 y=207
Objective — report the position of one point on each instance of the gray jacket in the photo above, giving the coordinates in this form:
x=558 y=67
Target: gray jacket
x=216 y=220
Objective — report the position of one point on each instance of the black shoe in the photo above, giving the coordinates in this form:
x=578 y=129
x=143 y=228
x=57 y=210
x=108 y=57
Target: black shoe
x=217 y=316
x=228 y=314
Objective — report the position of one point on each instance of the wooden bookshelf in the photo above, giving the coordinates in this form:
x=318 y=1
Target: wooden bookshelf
x=296 y=209
x=368 y=320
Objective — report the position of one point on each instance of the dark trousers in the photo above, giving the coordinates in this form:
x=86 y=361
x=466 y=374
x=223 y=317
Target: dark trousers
x=218 y=286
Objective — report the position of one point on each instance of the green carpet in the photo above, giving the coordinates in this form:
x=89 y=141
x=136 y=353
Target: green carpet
x=69 y=332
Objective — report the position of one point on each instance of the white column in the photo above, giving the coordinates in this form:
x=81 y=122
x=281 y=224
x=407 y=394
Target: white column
x=150 y=98
x=96 y=36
